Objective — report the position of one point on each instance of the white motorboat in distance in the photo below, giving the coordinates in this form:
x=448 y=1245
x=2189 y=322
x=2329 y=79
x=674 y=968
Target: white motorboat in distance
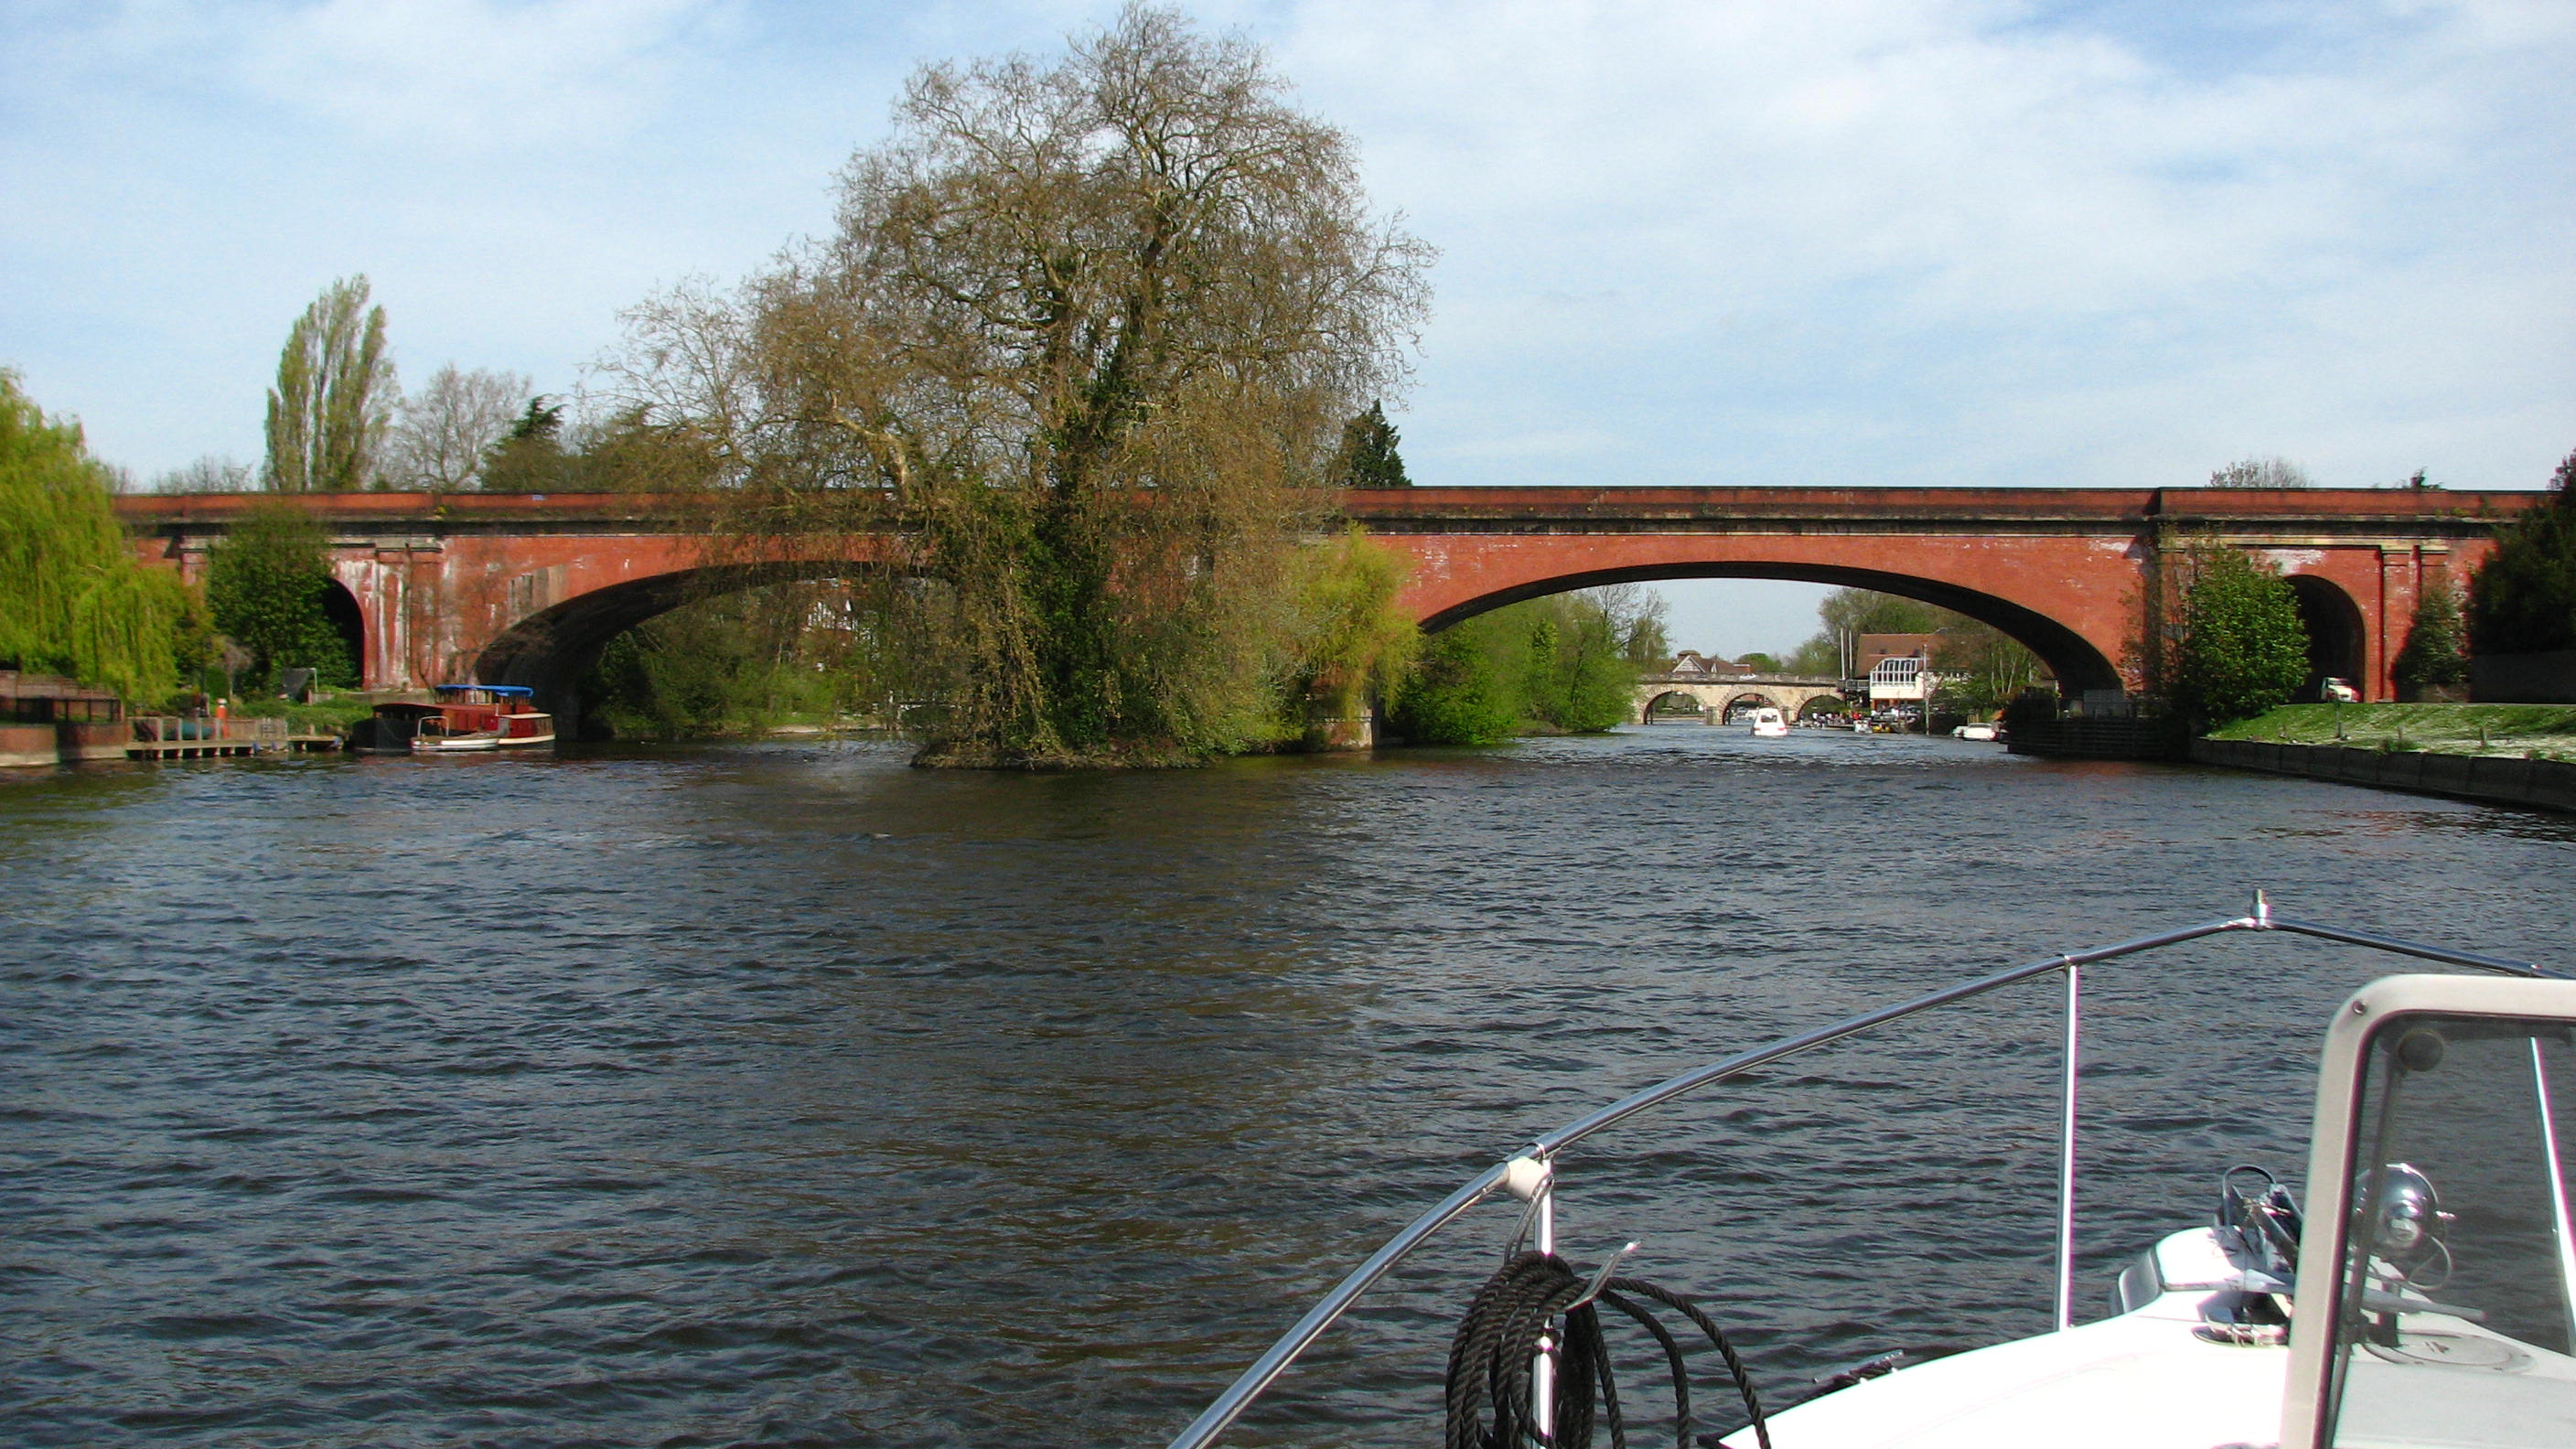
x=1769 y=724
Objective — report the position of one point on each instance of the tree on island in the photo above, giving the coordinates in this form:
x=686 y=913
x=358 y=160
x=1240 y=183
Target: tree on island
x=1083 y=343
x=72 y=599
x=1367 y=457
x=334 y=397
x=2524 y=600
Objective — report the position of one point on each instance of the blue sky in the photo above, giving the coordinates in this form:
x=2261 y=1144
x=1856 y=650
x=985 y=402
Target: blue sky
x=1880 y=242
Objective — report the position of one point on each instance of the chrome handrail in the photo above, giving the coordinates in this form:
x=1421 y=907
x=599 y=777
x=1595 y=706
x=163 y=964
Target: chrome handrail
x=1265 y=1370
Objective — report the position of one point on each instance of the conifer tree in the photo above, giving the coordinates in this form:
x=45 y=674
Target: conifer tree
x=1367 y=458
x=2435 y=655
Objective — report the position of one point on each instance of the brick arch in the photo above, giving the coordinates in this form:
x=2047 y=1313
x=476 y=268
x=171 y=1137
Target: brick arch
x=2337 y=644
x=2082 y=654
x=550 y=649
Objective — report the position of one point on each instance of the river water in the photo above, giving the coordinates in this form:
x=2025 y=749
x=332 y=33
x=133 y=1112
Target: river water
x=781 y=1094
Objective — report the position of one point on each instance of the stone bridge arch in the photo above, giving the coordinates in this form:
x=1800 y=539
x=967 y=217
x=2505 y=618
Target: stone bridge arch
x=1788 y=693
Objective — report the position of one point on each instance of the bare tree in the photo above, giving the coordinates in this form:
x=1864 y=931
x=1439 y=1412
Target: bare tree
x=209 y=474
x=334 y=396
x=439 y=440
x=1085 y=339
x=2273 y=472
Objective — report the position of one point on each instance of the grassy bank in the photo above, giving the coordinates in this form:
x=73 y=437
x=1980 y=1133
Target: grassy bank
x=2546 y=730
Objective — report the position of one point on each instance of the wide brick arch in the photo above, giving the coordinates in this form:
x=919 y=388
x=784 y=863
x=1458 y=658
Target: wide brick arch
x=2078 y=625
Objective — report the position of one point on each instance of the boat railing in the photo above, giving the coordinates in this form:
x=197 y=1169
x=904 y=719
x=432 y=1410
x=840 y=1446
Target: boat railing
x=1530 y=1173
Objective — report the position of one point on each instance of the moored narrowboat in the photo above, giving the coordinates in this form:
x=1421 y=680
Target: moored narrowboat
x=459 y=718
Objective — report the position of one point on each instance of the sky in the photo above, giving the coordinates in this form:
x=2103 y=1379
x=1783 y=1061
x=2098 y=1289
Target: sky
x=1925 y=242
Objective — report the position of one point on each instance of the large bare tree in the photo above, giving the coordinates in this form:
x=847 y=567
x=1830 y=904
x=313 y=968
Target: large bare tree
x=334 y=397
x=439 y=440
x=1084 y=339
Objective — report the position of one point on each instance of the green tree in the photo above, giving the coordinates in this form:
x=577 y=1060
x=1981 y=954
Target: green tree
x=1463 y=688
x=2435 y=655
x=335 y=395
x=1083 y=342
x=266 y=582
x=1367 y=457
x=1981 y=667
x=73 y=601
x=531 y=457
x=2523 y=601
x=2240 y=649
x=1354 y=642
x=1576 y=674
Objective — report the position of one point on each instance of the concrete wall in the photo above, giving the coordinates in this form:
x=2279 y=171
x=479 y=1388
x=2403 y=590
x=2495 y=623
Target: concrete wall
x=2488 y=779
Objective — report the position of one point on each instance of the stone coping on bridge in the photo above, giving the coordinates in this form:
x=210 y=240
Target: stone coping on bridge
x=2343 y=508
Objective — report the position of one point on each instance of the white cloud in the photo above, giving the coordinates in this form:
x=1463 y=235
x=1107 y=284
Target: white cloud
x=1879 y=240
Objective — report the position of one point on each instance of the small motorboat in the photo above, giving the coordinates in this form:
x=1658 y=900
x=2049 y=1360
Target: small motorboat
x=2424 y=1299
x=460 y=718
x=1986 y=730
x=1769 y=724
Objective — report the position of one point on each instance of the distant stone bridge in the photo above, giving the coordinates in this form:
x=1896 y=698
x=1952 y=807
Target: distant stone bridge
x=1718 y=693
x=527 y=588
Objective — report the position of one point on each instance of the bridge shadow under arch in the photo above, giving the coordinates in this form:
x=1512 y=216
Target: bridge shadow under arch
x=2077 y=664
x=550 y=650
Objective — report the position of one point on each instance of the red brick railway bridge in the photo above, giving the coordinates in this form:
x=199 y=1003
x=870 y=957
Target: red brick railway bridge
x=510 y=588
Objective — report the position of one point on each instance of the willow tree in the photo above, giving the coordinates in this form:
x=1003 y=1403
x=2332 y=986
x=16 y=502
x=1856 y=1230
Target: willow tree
x=1082 y=342
x=335 y=395
x=72 y=599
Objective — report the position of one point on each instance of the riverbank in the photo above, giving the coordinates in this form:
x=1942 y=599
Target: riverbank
x=2497 y=754
x=2512 y=731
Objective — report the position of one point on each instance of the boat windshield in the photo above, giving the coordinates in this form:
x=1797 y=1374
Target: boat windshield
x=2456 y=1315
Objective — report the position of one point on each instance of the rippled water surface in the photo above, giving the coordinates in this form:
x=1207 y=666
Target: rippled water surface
x=786 y=1095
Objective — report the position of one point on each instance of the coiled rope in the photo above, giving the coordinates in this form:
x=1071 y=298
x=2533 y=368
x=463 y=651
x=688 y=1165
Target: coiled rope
x=1491 y=1354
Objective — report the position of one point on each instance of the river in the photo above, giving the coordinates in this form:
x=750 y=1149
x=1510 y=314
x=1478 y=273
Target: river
x=781 y=1094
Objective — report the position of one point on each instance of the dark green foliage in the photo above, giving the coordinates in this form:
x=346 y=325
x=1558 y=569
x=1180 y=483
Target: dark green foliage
x=739 y=663
x=2524 y=600
x=1556 y=665
x=2241 y=649
x=1460 y=692
x=266 y=582
x=2435 y=654
x=72 y=599
x=1367 y=457
x=532 y=457
x=1576 y=676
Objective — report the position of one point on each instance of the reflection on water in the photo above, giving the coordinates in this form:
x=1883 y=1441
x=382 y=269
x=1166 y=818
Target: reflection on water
x=788 y=1095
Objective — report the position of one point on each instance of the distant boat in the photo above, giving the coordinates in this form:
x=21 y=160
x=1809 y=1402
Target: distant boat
x=1769 y=725
x=1986 y=730
x=460 y=718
